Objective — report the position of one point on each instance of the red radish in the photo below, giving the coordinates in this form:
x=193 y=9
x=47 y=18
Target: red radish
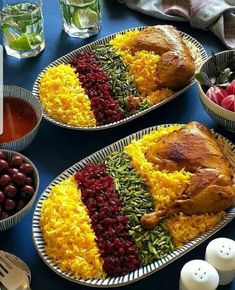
x=231 y=88
x=229 y=103
x=216 y=94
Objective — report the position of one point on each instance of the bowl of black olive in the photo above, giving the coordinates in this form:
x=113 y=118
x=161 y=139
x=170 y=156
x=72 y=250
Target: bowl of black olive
x=19 y=183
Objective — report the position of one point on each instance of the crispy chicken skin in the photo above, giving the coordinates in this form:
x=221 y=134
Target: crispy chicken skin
x=176 y=66
x=191 y=147
x=194 y=149
x=158 y=39
x=174 y=70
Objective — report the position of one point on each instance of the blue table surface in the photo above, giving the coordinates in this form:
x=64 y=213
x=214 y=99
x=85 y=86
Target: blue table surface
x=55 y=149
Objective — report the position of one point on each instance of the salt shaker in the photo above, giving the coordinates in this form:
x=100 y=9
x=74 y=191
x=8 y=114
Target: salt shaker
x=221 y=254
x=198 y=274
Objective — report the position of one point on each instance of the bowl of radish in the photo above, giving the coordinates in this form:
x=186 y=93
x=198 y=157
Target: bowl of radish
x=216 y=85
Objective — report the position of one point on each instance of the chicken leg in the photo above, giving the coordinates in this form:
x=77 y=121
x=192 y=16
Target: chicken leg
x=194 y=149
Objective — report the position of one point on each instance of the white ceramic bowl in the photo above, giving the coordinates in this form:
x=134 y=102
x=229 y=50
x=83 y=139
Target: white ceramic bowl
x=23 y=94
x=224 y=117
x=11 y=221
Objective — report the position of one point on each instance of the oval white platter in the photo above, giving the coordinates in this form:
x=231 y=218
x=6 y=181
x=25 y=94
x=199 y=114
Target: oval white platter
x=140 y=273
x=88 y=48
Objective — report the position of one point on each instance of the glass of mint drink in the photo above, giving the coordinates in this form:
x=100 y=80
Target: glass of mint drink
x=22 y=27
x=81 y=18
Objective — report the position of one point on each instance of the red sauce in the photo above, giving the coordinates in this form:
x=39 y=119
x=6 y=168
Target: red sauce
x=19 y=118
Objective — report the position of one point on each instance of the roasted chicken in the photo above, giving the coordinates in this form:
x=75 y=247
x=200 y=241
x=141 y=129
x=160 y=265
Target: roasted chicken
x=175 y=67
x=194 y=149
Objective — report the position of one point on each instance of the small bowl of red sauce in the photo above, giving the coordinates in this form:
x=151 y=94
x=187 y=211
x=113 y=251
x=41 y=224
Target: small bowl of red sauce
x=22 y=114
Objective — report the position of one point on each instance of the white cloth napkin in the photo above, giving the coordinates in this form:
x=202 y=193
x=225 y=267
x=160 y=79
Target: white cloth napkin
x=216 y=15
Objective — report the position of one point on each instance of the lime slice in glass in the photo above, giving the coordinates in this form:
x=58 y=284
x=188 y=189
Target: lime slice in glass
x=84 y=18
x=34 y=38
x=10 y=37
x=21 y=44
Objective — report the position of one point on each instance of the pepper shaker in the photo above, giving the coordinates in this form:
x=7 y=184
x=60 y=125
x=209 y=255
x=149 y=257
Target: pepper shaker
x=198 y=274
x=221 y=254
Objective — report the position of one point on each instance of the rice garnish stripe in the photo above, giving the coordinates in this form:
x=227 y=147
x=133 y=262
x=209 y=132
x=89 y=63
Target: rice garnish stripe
x=95 y=82
x=136 y=200
x=63 y=98
x=119 y=252
x=186 y=228
x=120 y=80
x=142 y=66
x=66 y=228
x=164 y=186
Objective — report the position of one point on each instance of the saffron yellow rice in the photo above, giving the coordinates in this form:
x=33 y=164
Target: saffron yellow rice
x=63 y=98
x=167 y=186
x=123 y=42
x=66 y=228
x=142 y=66
x=163 y=186
x=159 y=95
x=184 y=228
x=143 y=69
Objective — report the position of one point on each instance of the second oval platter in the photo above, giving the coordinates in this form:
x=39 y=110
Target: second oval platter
x=88 y=227
x=110 y=81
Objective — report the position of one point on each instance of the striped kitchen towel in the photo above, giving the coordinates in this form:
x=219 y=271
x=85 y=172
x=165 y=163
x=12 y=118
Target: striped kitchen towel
x=216 y=15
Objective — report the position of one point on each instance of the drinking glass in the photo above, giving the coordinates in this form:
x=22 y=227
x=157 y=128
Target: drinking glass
x=81 y=18
x=22 y=27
